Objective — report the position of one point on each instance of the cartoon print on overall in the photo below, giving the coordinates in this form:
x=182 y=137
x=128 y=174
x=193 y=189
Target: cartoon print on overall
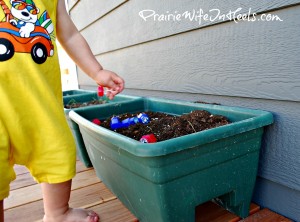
x=24 y=31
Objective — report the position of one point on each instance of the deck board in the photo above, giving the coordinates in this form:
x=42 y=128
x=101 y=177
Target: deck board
x=212 y=212
x=218 y=214
x=114 y=211
x=266 y=215
x=34 y=192
x=25 y=202
x=23 y=180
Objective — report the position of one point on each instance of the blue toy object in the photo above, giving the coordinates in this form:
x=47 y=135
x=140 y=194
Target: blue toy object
x=129 y=121
x=116 y=123
x=143 y=118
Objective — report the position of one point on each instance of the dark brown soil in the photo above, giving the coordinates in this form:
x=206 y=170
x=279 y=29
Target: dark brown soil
x=73 y=104
x=165 y=126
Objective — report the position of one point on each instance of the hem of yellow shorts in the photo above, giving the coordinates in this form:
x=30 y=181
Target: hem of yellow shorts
x=4 y=194
x=55 y=180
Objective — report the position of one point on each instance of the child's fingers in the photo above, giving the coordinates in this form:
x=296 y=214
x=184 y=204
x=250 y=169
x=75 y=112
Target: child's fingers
x=113 y=83
x=111 y=94
x=119 y=83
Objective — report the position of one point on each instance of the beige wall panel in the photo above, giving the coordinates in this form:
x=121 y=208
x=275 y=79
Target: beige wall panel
x=88 y=11
x=71 y=3
x=248 y=59
x=123 y=27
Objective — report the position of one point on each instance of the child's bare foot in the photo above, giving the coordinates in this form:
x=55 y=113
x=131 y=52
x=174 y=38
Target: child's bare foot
x=74 y=215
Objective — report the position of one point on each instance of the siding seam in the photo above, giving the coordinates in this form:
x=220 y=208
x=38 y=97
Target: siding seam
x=108 y=12
x=182 y=32
x=70 y=9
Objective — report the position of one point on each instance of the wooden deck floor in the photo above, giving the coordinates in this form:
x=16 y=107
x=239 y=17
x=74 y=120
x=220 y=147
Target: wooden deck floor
x=25 y=202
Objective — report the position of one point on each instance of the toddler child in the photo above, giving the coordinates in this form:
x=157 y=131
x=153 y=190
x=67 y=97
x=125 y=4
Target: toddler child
x=33 y=128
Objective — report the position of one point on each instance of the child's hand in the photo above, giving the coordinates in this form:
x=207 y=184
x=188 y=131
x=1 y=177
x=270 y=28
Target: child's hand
x=110 y=80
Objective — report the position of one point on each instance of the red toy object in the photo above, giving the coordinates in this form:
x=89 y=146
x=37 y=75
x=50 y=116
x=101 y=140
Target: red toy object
x=150 y=138
x=97 y=122
x=100 y=91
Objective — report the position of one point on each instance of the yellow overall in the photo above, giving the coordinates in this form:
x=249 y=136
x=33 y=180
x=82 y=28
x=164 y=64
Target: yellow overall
x=33 y=127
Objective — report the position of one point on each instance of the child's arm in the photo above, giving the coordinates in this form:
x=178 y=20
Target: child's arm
x=78 y=49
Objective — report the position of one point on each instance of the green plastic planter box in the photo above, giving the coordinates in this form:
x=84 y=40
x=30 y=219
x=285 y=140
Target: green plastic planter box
x=80 y=147
x=165 y=181
x=76 y=92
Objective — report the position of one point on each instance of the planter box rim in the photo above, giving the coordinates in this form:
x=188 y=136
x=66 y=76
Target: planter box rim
x=259 y=119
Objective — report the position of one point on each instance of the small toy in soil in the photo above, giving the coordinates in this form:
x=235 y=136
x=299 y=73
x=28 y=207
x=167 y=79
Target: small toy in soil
x=97 y=122
x=116 y=123
x=143 y=118
x=129 y=121
x=150 y=138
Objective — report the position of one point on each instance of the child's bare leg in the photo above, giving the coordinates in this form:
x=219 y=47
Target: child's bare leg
x=1 y=211
x=56 y=205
